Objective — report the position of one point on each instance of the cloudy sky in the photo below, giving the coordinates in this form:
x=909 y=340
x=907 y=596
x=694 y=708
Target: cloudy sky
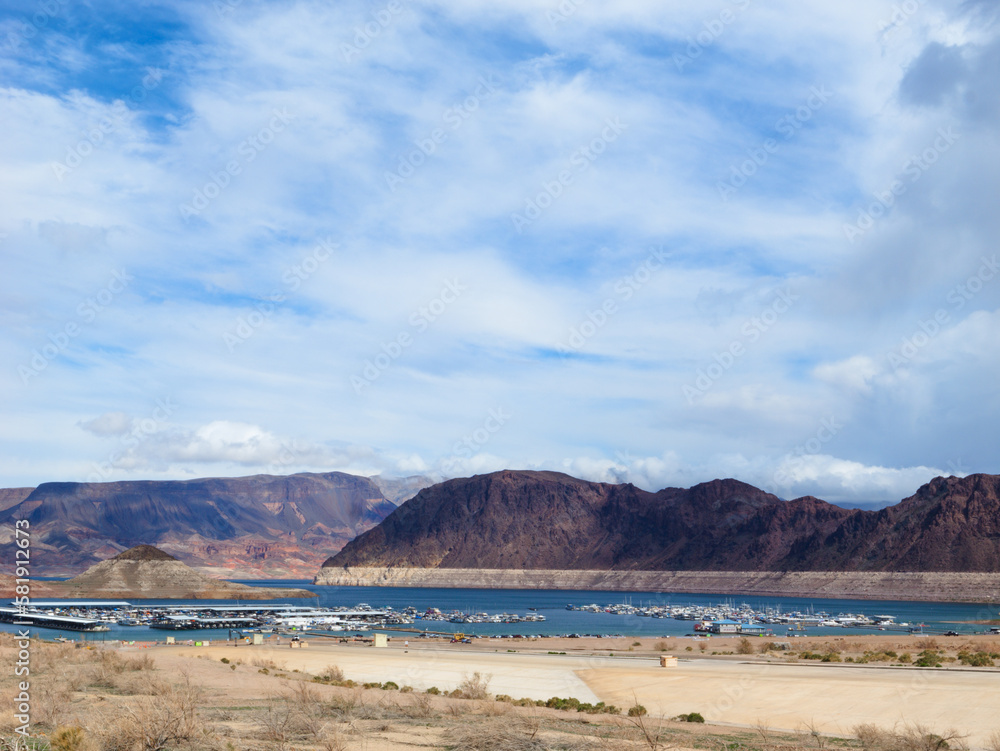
x=642 y=240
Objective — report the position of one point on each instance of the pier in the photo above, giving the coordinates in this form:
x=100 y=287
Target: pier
x=45 y=620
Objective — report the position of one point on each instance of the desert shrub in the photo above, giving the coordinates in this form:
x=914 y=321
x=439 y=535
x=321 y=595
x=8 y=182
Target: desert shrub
x=976 y=659
x=433 y=690
x=68 y=739
x=689 y=717
x=333 y=674
x=744 y=647
x=905 y=658
x=474 y=687
x=138 y=662
x=419 y=708
x=564 y=704
x=390 y=686
x=909 y=738
x=153 y=723
x=928 y=659
x=637 y=644
x=636 y=710
x=224 y=660
x=882 y=655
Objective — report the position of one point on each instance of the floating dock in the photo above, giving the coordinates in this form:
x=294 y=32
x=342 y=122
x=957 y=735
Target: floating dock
x=42 y=620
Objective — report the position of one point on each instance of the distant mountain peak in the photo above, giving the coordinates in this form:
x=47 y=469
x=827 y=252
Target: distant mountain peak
x=143 y=553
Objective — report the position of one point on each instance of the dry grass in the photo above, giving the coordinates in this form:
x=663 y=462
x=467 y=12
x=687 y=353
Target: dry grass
x=333 y=674
x=906 y=738
x=509 y=734
x=475 y=686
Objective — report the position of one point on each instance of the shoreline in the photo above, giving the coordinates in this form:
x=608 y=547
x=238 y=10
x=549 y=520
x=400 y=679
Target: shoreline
x=852 y=585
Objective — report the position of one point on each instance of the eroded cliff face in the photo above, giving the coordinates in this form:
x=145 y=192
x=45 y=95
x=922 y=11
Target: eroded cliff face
x=546 y=520
x=860 y=585
x=247 y=527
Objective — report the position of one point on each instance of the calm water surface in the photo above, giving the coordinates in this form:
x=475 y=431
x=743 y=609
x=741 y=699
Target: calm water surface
x=936 y=617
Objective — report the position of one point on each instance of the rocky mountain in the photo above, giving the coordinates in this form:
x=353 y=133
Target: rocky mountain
x=13 y=496
x=244 y=527
x=148 y=573
x=546 y=520
x=401 y=489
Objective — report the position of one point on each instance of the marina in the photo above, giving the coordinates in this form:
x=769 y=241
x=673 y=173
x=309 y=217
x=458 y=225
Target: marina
x=501 y=613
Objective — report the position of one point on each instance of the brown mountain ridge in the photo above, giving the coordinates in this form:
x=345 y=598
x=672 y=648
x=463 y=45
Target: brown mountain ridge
x=242 y=527
x=520 y=520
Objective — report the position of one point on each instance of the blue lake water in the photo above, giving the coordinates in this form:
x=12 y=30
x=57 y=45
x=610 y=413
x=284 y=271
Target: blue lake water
x=936 y=617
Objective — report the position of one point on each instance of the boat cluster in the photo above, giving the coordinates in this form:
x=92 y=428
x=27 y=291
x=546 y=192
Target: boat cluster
x=709 y=616
x=457 y=616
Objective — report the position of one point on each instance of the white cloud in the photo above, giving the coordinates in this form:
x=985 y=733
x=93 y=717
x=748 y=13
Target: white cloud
x=288 y=383
x=853 y=374
x=110 y=423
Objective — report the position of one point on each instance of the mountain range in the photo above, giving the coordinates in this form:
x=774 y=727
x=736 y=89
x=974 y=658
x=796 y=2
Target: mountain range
x=261 y=526
x=515 y=520
x=267 y=526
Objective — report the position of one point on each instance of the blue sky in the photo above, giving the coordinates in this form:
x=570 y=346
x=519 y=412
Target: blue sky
x=656 y=242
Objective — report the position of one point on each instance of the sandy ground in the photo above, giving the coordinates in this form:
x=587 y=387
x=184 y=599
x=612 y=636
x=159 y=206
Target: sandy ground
x=833 y=698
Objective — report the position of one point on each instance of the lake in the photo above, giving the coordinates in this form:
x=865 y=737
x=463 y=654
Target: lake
x=936 y=617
